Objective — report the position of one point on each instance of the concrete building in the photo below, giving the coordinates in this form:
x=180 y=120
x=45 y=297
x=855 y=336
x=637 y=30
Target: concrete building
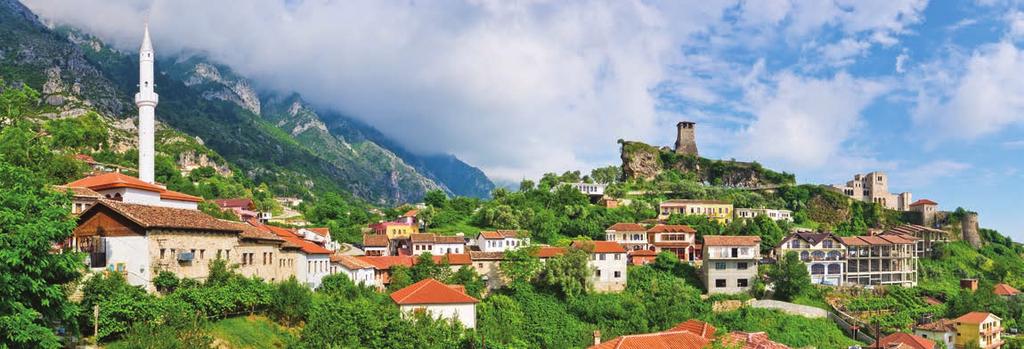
x=608 y=261
x=439 y=300
x=822 y=252
x=437 y=244
x=775 y=215
x=874 y=187
x=501 y=240
x=923 y=236
x=942 y=332
x=881 y=260
x=631 y=236
x=730 y=263
x=678 y=239
x=719 y=211
x=979 y=330
x=138 y=241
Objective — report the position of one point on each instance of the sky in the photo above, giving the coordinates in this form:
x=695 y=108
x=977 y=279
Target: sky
x=928 y=92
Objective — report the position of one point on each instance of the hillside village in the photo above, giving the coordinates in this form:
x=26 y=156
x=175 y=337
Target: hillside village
x=715 y=253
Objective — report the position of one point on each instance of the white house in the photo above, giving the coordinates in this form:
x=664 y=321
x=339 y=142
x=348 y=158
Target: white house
x=589 y=189
x=439 y=300
x=823 y=253
x=775 y=215
x=312 y=263
x=437 y=245
x=360 y=272
x=501 y=240
x=321 y=236
x=632 y=236
x=943 y=332
x=730 y=263
x=120 y=187
x=608 y=261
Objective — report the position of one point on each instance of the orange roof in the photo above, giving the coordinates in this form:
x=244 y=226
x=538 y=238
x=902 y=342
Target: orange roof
x=411 y=213
x=923 y=202
x=114 y=180
x=173 y=195
x=454 y=259
x=81 y=192
x=386 y=262
x=974 y=317
x=350 y=262
x=375 y=240
x=909 y=340
x=697 y=327
x=600 y=246
x=722 y=240
x=875 y=240
x=942 y=325
x=320 y=231
x=626 y=227
x=1005 y=290
x=672 y=228
x=84 y=157
x=752 y=340
x=500 y=234
x=550 y=251
x=150 y=217
x=306 y=246
x=430 y=291
x=239 y=202
x=659 y=340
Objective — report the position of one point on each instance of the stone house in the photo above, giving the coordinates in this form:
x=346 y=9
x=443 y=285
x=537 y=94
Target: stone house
x=927 y=210
x=874 y=187
x=263 y=254
x=822 y=252
x=730 y=263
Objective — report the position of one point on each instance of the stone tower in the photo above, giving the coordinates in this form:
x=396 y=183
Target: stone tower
x=686 y=142
x=969 y=229
x=146 y=100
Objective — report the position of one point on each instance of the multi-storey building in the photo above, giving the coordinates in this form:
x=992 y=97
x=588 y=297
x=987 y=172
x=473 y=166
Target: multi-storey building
x=631 y=236
x=678 y=239
x=874 y=187
x=775 y=215
x=608 y=261
x=823 y=252
x=979 y=330
x=730 y=263
x=923 y=236
x=881 y=260
x=719 y=211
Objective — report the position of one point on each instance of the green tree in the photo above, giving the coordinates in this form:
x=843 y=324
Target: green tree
x=468 y=277
x=33 y=218
x=435 y=198
x=16 y=102
x=290 y=302
x=425 y=268
x=608 y=174
x=401 y=277
x=568 y=273
x=520 y=266
x=84 y=132
x=166 y=281
x=501 y=320
x=790 y=277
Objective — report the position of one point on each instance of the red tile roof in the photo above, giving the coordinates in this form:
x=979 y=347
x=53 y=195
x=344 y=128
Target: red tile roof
x=430 y=291
x=486 y=256
x=239 y=202
x=923 y=202
x=150 y=217
x=974 y=317
x=657 y=340
x=599 y=246
x=697 y=327
x=626 y=227
x=82 y=192
x=85 y=158
x=643 y=253
x=754 y=340
x=256 y=231
x=173 y=195
x=350 y=262
x=375 y=240
x=114 y=180
x=386 y=262
x=454 y=259
x=942 y=325
x=550 y=251
x=411 y=213
x=672 y=228
x=306 y=246
x=875 y=240
x=909 y=340
x=437 y=239
x=931 y=300
x=501 y=234
x=325 y=232
x=1005 y=290
x=722 y=240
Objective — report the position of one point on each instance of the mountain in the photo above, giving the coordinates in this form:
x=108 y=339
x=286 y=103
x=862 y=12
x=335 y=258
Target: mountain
x=275 y=139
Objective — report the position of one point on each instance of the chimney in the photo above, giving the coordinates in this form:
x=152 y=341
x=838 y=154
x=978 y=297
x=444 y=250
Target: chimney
x=597 y=337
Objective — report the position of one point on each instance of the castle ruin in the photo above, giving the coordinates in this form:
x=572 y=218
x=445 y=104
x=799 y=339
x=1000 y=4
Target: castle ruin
x=686 y=142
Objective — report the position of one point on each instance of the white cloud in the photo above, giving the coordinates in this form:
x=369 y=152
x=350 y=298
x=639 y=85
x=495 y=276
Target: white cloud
x=926 y=174
x=844 y=52
x=985 y=96
x=1014 y=144
x=1015 y=21
x=901 y=61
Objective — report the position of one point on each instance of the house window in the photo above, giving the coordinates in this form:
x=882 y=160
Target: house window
x=826 y=244
x=618 y=256
x=597 y=273
x=601 y=256
x=719 y=282
x=618 y=274
x=202 y=253
x=741 y=266
x=720 y=266
x=735 y=252
x=161 y=253
x=742 y=282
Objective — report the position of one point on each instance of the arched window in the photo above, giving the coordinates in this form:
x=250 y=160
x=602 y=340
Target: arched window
x=818 y=255
x=636 y=237
x=817 y=269
x=834 y=269
x=805 y=256
x=833 y=255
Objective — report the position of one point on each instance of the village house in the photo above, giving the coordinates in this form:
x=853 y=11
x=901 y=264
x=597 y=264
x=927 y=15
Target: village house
x=437 y=244
x=822 y=252
x=439 y=300
x=81 y=198
x=382 y=266
x=900 y=340
x=730 y=263
x=138 y=241
x=775 y=215
x=501 y=240
x=320 y=236
x=1005 y=291
x=486 y=264
x=641 y=257
x=692 y=334
x=243 y=208
x=411 y=218
x=608 y=262
x=678 y=239
x=750 y=340
x=455 y=261
x=719 y=211
x=119 y=187
x=881 y=260
x=631 y=236
x=376 y=245
x=263 y=254
x=312 y=263
x=360 y=272
x=979 y=330
x=942 y=332
x=394 y=230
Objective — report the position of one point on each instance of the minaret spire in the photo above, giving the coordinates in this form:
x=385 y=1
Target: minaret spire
x=146 y=100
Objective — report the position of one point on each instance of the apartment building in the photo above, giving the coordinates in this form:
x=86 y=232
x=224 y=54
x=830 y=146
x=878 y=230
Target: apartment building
x=730 y=263
x=881 y=260
x=775 y=215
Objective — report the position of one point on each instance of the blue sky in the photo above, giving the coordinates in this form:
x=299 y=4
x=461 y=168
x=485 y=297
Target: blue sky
x=929 y=92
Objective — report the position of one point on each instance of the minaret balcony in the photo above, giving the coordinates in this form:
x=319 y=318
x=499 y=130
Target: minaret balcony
x=146 y=97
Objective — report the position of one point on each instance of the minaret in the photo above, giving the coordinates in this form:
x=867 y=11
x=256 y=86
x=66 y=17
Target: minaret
x=146 y=100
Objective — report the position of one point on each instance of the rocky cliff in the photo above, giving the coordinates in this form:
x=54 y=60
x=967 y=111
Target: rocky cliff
x=645 y=162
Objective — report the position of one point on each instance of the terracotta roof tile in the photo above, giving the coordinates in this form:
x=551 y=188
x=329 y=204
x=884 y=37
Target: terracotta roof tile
x=909 y=340
x=151 y=217
x=923 y=202
x=672 y=228
x=386 y=262
x=411 y=213
x=307 y=246
x=238 y=202
x=942 y=325
x=486 y=256
x=642 y=253
x=722 y=240
x=657 y=340
x=1005 y=290
x=437 y=239
x=697 y=327
x=173 y=195
x=747 y=340
x=549 y=251
x=975 y=317
x=454 y=259
x=626 y=227
x=599 y=246
x=430 y=291
x=114 y=180
x=502 y=234
x=375 y=240
x=79 y=191
x=350 y=262
x=812 y=238
x=257 y=232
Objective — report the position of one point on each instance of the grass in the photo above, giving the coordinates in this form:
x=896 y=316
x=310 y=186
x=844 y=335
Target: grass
x=252 y=332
